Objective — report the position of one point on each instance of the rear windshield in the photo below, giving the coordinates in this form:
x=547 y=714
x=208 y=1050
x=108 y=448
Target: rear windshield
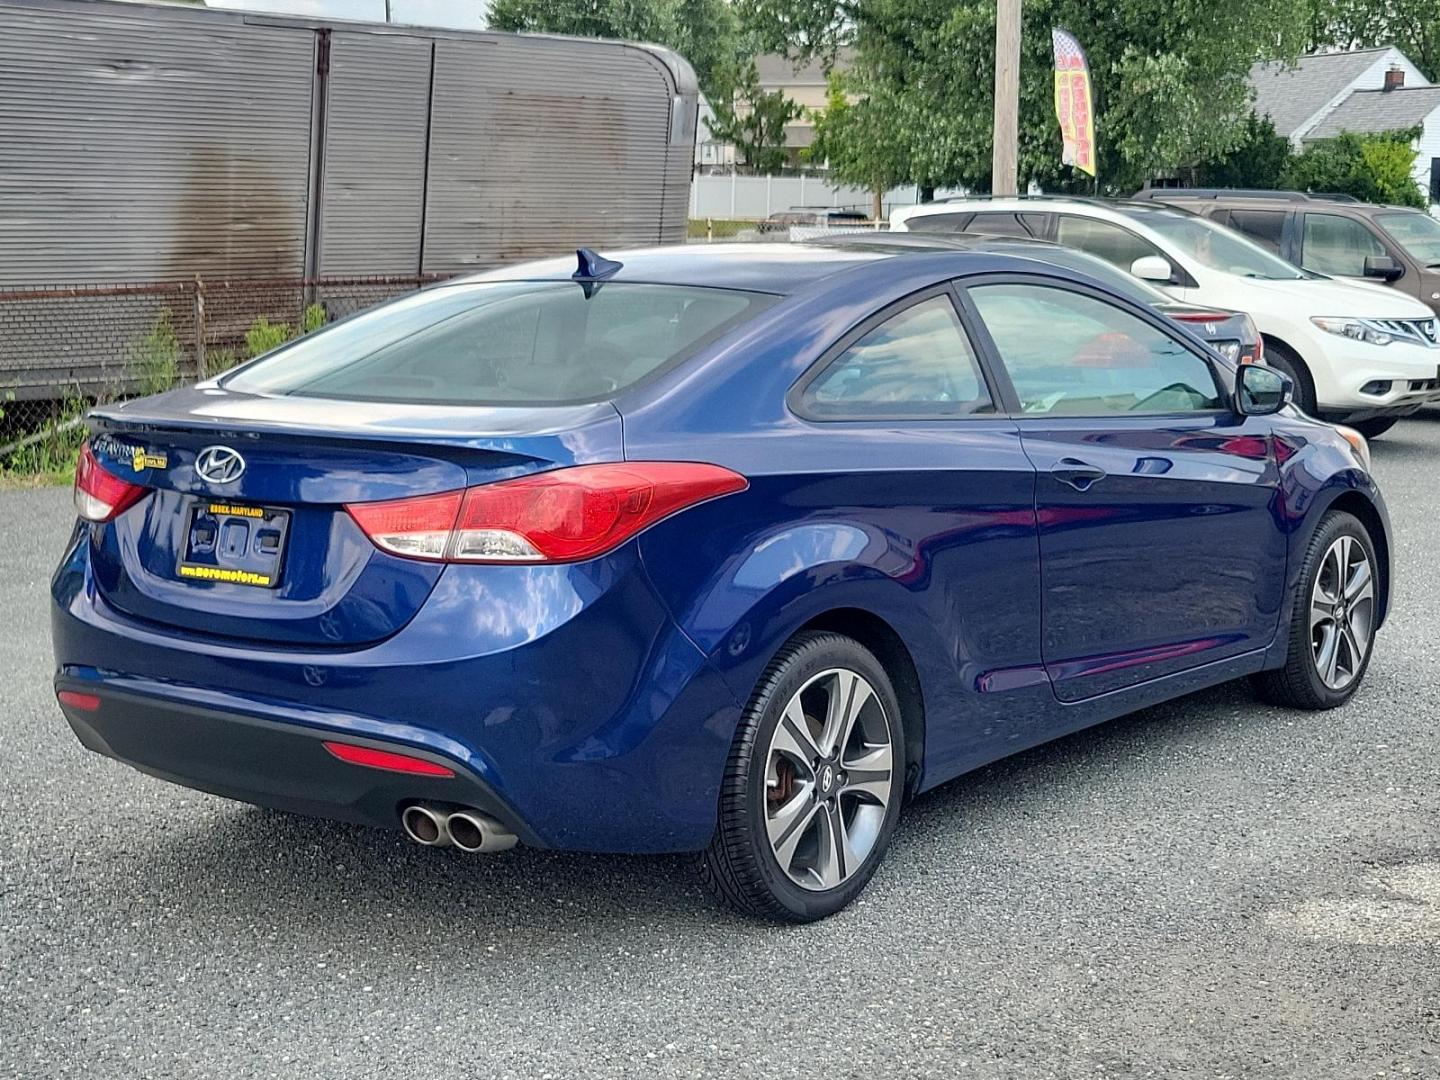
x=498 y=343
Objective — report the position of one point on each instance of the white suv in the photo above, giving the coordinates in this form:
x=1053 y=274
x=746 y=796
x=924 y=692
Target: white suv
x=1359 y=353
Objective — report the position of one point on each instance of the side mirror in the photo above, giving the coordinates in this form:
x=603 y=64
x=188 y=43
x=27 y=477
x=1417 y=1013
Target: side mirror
x=1260 y=391
x=1153 y=268
x=1383 y=267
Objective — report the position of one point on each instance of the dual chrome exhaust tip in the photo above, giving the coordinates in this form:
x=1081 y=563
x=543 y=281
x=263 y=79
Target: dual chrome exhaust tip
x=469 y=830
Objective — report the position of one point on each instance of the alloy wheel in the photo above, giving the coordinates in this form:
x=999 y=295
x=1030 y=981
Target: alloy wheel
x=829 y=779
x=1342 y=612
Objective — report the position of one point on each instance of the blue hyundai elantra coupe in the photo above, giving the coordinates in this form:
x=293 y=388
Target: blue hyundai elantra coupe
x=730 y=550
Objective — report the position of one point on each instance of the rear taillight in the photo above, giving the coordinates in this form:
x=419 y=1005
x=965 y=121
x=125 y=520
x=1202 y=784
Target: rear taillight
x=101 y=495
x=1258 y=357
x=559 y=516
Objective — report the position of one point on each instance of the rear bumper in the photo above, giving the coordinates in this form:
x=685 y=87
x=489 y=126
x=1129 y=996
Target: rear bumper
x=267 y=762
x=567 y=702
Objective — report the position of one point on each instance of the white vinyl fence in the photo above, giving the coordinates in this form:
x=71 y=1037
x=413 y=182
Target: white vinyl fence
x=732 y=196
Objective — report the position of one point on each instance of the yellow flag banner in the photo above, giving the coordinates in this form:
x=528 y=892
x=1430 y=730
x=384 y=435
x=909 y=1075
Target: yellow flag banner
x=1073 y=101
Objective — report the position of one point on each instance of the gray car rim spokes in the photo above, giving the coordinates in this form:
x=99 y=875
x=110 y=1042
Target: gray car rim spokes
x=829 y=779
x=1342 y=612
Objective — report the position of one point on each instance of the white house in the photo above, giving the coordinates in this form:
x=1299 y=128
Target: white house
x=1362 y=90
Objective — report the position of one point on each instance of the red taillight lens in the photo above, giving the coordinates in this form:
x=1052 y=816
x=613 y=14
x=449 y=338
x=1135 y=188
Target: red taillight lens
x=101 y=495
x=77 y=700
x=560 y=516
x=417 y=528
x=1259 y=355
x=384 y=759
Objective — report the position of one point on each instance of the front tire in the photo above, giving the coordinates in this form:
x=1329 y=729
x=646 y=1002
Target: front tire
x=1283 y=359
x=813 y=786
x=1332 y=628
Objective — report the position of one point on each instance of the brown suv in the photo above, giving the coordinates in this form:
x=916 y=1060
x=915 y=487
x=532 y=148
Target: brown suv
x=1334 y=235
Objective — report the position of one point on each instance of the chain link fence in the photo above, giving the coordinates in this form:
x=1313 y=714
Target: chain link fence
x=63 y=349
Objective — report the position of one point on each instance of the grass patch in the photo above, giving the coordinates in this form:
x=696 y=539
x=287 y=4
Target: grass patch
x=47 y=455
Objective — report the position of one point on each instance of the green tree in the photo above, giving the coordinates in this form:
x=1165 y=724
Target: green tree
x=1413 y=26
x=1260 y=161
x=752 y=118
x=705 y=32
x=1169 y=76
x=1376 y=168
x=859 y=142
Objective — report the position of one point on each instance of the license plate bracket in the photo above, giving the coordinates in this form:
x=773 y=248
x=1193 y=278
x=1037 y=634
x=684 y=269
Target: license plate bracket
x=235 y=544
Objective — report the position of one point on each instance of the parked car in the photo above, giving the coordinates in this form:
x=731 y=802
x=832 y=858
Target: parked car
x=728 y=549
x=1231 y=333
x=1358 y=353
x=1337 y=236
x=782 y=220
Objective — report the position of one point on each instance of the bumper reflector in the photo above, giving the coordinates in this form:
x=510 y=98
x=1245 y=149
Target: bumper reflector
x=384 y=759
x=77 y=700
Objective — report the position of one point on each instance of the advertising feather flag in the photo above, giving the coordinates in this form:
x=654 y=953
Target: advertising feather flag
x=1073 y=101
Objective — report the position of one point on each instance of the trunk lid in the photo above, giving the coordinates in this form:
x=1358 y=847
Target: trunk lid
x=268 y=553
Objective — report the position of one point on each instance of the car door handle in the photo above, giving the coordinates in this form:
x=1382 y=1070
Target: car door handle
x=1080 y=475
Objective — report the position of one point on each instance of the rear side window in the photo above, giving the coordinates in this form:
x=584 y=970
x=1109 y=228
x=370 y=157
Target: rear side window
x=1265 y=227
x=937 y=223
x=1338 y=245
x=998 y=225
x=1117 y=246
x=1071 y=354
x=916 y=365
x=497 y=343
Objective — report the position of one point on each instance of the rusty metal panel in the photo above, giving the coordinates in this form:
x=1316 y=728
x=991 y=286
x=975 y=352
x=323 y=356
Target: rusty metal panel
x=148 y=144
x=538 y=145
x=378 y=109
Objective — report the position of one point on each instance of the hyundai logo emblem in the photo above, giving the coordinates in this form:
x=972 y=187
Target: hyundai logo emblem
x=219 y=465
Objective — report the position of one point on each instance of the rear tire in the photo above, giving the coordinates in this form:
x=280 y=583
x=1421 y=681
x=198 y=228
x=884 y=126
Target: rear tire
x=1373 y=429
x=1282 y=358
x=812 y=789
x=1332 y=627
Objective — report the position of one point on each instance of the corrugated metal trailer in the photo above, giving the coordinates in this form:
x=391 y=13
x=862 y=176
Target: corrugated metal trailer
x=145 y=143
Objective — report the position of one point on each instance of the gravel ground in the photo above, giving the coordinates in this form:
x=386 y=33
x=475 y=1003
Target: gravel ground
x=1211 y=888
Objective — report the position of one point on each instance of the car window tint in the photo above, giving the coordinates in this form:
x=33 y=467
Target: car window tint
x=937 y=223
x=918 y=363
x=997 y=225
x=1338 y=245
x=1115 y=245
x=1071 y=354
x=493 y=343
x=1263 y=226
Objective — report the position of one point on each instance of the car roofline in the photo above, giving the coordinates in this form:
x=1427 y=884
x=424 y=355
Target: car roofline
x=1019 y=203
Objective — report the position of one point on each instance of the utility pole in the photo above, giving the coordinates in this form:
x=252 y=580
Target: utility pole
x=1005 y=163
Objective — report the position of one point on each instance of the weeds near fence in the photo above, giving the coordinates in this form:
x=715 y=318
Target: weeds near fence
x=116 y=341
x=157 y=357
x=48 y=455
x=264 y=335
